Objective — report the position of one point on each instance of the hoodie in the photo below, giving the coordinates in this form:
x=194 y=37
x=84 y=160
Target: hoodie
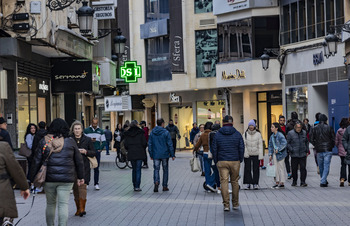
x=160 y=145
x=228 y=145
x=135 y=142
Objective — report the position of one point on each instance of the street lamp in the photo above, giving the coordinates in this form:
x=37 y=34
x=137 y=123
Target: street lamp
x=332 y=42
x=265 y=59
x=207 y=65
x=326 y=49
x=119 y=43
x=85 y=17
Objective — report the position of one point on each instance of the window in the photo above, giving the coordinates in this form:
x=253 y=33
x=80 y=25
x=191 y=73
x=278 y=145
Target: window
x=320 y=18
x=302 y=21
x=311 y=24
x=156 y=10
x=210 y=111
x=339 y=12
x=206 y=48
x=294 y=22
x=203 y=6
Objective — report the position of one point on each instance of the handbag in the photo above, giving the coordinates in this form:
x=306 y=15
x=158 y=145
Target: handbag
x=270 y=170
x=93 y=162
x=195 y=166
x=24 y=150
x=40 y=177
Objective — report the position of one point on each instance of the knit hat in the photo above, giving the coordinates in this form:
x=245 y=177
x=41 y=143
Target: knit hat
x=323 y=118
x=2 y=120
x=252 y=123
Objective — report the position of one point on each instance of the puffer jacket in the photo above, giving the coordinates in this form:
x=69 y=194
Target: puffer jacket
x=9 y=168
x=339 y=143
x=203 y=141
x=228 y=145
x=253 y=144
x=160 y=145
x=64 y=166
x=322 y=137
x=280 y=145
x=135 y=142
x=297 y=144
x=174 y=131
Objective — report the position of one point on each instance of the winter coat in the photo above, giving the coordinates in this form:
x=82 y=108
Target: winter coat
x=108 y=135
x=40 y=134
x=135 y=142
x=339 y=143
x=203 y=141
x=86 y=143
x=228 y=145
x=174 y=131
x=346 y=144
x=297 y=144
x=322 y=137
x=5 y=136
x=290 y=125
x=193 y=133
x=9 y=168
x=64 y=166
x=253 y=144
x=160 y=145
x=280 y=145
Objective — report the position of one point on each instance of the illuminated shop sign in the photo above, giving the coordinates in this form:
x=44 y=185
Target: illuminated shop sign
x=240 y=74
x=130 y=72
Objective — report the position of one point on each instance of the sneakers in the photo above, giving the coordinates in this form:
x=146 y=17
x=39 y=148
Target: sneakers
x=275 y=186
x=211 y=188
x=303 y=185
x=294 y=183
x=342 y=182
x=247 y=187
x=145 y=166
x=218 y=191
x=255 y=187
x=263 y=167
x=236 y=207
x=323 y=185
x=97 y=187
x=107 y=154
x=289 y=176
x=137 y=189
x=281 y=186
x=165 y=189
x=226 y=209
x=155 y=187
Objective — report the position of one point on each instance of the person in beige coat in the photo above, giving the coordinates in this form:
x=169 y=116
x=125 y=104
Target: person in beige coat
x=10 y=168
x=253 y=154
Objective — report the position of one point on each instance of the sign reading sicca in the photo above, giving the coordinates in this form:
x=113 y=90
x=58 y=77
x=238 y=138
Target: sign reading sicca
x=240 y=74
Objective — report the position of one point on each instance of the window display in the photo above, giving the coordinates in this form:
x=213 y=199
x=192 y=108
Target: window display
x=210 y=111
x=297 y=100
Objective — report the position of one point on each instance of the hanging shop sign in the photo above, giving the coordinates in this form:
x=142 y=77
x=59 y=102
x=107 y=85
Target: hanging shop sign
x=227 y=6
x=43 y=87
x=240 y=74
x=130 y=72
x=118 y=103
x=103 y=10
x=174 y=99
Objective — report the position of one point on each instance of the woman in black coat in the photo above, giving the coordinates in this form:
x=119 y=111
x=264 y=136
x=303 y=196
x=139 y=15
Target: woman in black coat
x=118 y=135
x=135 y=143
x=86 y=149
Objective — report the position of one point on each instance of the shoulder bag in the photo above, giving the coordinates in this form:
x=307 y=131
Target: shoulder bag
x=195 y=166
x=24 y=150
x=93 y=162
x=40 y=177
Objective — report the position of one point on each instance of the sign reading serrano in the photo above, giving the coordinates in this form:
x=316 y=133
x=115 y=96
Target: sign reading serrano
x=239 y=75
x=130 y=72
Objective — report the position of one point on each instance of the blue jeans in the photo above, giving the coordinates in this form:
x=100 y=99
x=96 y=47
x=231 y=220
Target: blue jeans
x=324 y=161
x=156 y=166
x=209 y=178
x=136 y=172
x=97 y=169
x=107 y=147
x=57 y=192
x=217 y=175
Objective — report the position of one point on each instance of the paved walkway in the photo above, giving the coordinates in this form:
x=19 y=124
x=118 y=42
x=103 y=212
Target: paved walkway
x=188 y=204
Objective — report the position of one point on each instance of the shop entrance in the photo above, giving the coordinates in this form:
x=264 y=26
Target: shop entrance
x=183 y=119
x=269 y=110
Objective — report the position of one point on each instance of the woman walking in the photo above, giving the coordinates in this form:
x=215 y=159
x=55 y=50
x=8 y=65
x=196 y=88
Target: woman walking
x=278 y=151
x=86 y=148
x=64 y=165
x=344 y=123
x=135 y=143
x=29 y=138
x=118 y=133
x=214 y=129
x=253 y=154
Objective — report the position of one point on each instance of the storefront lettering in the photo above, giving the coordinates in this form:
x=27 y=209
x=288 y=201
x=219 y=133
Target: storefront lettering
x=44 y=87
x=174 y=98
x=66 y=77
x=130 y=72
x=239 y=74
x=177 y=51
x=318 y=58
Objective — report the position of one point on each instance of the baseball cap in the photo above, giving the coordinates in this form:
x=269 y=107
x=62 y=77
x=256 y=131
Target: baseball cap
x=227 y=119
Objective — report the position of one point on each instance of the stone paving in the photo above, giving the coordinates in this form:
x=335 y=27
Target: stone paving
x=188 y=204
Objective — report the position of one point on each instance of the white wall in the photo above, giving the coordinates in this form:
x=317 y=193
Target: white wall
x=318 y=101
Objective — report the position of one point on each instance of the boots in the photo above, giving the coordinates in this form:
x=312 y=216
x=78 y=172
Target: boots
x=342 y=180
x=77 y=203
x=82 y=207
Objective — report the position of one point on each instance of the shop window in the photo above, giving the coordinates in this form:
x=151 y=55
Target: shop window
x=210 y=111
x=203 y=6
x=156 y=10
x=297 y=100
x=311 y=24
x=206 y=48
x=138 y=115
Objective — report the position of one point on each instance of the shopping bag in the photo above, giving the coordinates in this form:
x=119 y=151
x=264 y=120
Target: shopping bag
x=195 y=166
x=270 y=170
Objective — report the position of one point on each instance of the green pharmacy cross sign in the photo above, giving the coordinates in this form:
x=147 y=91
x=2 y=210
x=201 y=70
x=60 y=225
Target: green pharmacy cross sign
x=130 y=72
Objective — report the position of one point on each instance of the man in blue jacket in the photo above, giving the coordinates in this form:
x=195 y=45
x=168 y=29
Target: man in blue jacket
x=160 y=148
x=228 y=153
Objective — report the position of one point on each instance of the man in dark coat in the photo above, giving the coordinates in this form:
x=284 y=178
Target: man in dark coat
x=174 y=132
x=193 y=132
x=4 y=135
x=323 y=138
x=135 y=143
x=109 y=137
x=228 y=153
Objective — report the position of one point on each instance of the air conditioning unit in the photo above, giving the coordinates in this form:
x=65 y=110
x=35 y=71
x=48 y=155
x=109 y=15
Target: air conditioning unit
x=72 y=18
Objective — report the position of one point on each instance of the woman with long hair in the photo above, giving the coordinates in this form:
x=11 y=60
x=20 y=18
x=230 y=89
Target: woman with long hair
x=118 y=134
x=344 y=123
x=29 y=138
x=86 y=148
x=277 y=152
x=64 y=165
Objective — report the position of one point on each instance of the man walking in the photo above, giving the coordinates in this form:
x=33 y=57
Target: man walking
x=108 y=135
x=4 y=135
x=99 y=140
x=174 y=132
x=282 y=122
x=298 y=147
x=228 y=153
x=193 y=132
x=323 y=138
x=160 y=149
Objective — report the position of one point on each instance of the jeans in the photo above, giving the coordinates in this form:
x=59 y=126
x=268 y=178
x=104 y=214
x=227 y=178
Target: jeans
x=156 y=166
x=229 y=170
x=324 y=161
x=107 y=147
x=251 y=163
x=209 y=177
x=136 y=173
x=57 y=192
x=343 y=169
x=296 y=162
x=217 y=175
x=97 y=169
x=286 y=161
